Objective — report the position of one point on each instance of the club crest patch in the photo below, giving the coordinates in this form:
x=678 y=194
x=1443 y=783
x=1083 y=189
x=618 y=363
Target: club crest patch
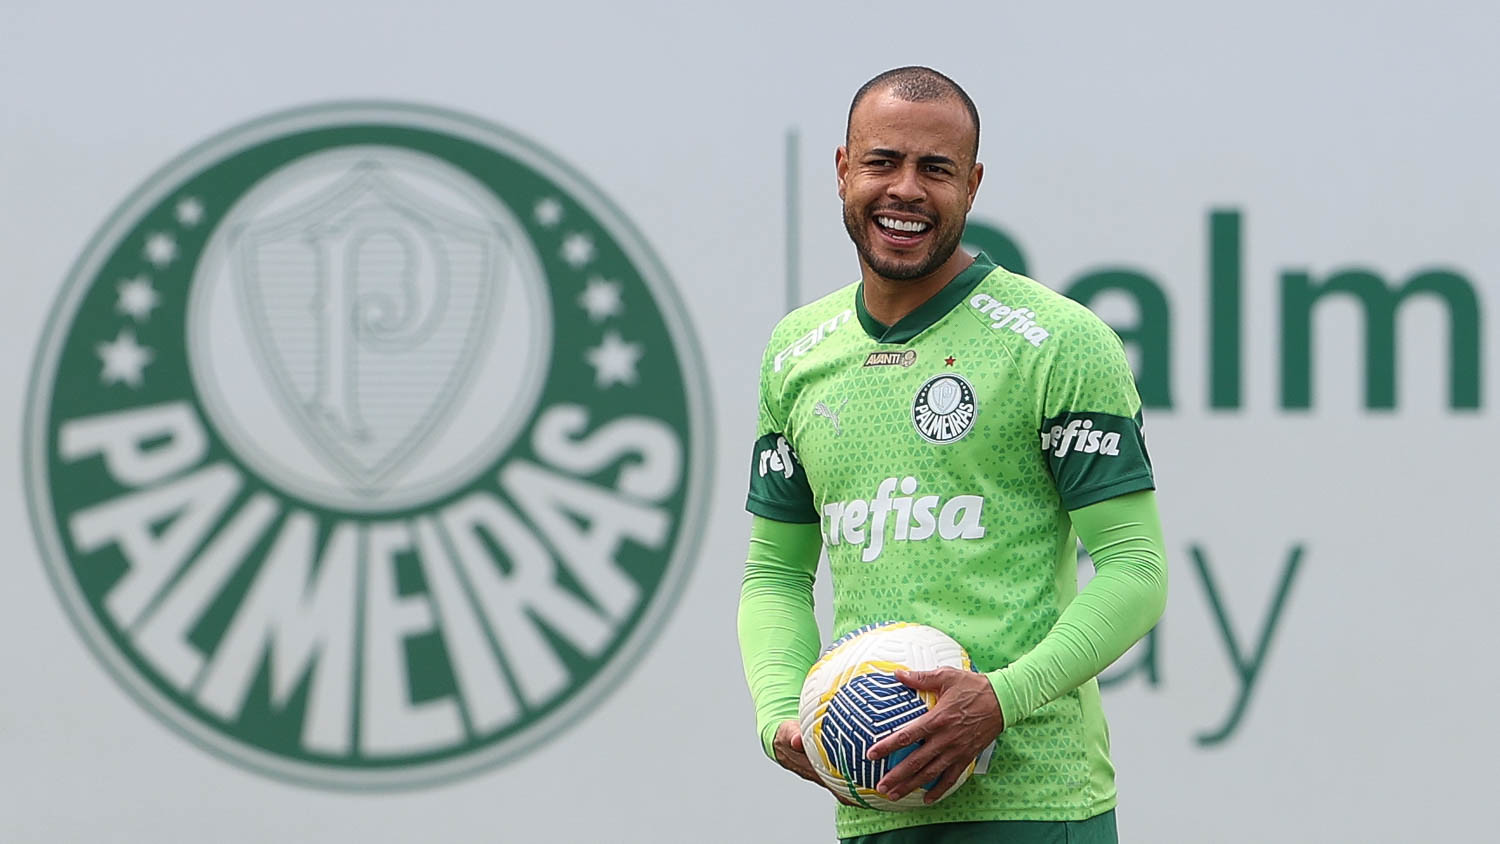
x=944 y=408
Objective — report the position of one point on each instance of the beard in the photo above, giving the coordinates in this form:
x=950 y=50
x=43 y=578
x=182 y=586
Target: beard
x=944 y=242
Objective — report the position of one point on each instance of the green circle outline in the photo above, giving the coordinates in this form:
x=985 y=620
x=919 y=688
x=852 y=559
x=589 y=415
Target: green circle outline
x=698 y=478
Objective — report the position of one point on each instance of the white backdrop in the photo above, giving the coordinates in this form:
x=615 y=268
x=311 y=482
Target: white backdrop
x=1346 y=135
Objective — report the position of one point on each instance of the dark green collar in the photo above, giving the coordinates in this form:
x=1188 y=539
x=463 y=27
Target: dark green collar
x=929 y=311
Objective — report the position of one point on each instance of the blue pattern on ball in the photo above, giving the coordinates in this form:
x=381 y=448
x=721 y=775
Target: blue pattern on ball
x=867 y=709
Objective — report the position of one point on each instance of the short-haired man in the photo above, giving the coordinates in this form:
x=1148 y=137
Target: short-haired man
x=949 y=484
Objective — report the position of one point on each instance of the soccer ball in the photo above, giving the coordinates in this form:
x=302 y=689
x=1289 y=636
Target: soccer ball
x=852 y=699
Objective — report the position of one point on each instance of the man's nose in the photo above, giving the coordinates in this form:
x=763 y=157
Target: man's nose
x=906 y=187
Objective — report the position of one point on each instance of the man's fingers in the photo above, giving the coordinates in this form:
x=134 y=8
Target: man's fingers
x=791 y=755
x=799 y=765
x=909 y=734
x=933 y=770
x=926 y=680
x=946 y=782
x=904 y=776
x=940 y=759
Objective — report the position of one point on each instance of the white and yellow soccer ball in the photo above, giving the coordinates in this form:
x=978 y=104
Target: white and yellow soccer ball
x=852 y=699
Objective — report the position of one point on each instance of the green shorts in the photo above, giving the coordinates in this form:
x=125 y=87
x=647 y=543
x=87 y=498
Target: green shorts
x=1100 y=829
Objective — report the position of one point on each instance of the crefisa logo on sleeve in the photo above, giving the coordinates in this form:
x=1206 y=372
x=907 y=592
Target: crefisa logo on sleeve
x=367 y=445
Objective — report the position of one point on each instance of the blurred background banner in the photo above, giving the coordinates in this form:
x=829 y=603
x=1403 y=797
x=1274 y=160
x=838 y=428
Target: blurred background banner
x=383 y=382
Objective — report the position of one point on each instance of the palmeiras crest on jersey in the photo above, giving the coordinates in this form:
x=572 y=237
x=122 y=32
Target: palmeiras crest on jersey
x=366 y=445
x=944 y=408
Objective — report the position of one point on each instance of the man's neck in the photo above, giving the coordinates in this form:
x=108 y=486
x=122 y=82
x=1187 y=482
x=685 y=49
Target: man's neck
x=889 y=301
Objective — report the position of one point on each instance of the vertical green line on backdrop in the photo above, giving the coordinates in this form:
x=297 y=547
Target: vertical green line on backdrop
x=1224 y=307
x=793 y=295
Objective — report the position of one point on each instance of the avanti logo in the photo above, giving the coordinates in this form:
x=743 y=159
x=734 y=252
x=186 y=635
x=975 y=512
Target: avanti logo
x=344 y=458
x=905 y=358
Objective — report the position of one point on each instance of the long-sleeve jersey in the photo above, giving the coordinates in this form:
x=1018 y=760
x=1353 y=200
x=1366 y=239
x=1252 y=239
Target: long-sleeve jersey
x=948 y=464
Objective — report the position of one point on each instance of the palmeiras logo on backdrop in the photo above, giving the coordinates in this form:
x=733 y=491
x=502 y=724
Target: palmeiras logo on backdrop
x=367 y=445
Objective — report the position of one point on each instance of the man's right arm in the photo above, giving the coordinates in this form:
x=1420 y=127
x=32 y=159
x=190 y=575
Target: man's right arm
x=778 y=633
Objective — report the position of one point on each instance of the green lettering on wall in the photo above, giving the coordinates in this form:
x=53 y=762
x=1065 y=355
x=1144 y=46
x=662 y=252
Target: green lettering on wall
x=1224 y=301
x=1151 y=333
x=1247 y=666
x=1299 y=292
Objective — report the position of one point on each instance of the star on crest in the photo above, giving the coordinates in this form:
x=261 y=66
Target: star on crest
x=124 y=359
x=614 y=360
x=189 y=211
x=601 y=298
x=137 y=298
x=578 y=249
x=161 y=248
x=549 y=212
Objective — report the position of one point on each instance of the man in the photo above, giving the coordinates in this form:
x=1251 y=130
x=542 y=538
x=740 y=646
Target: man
x=948 y=431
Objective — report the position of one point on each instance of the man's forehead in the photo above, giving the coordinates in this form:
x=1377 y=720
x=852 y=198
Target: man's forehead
x=884 y=121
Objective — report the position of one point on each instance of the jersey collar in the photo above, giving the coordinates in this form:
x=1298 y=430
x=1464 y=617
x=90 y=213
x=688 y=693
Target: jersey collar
x=928 y=312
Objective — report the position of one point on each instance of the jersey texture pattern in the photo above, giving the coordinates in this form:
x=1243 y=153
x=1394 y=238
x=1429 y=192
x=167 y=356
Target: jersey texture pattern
x=940 y=457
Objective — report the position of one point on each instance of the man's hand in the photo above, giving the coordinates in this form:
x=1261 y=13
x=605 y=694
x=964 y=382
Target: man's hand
x=790 y=755
x=964 y=721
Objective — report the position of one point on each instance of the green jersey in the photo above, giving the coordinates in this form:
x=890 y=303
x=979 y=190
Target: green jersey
x=941 y=457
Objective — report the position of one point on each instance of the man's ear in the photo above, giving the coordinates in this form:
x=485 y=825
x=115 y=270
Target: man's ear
x=841 y=168
x=976 y=175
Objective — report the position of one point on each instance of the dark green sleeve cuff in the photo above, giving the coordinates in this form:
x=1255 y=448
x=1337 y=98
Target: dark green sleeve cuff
x=1078 y=498
x=780 y=511
x=1094 y=457
x=778 y=484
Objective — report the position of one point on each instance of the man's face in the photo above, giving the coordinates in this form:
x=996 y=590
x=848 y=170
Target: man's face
x=908 y=179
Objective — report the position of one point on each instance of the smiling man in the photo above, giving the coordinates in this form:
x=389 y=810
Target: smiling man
x=984 y=426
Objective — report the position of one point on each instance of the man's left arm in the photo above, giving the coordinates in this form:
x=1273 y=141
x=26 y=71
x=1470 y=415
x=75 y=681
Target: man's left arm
x=1112 y=612
x=1095 y=448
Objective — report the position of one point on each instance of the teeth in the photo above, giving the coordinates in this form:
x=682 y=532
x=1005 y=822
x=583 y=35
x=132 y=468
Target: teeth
x=902 y=225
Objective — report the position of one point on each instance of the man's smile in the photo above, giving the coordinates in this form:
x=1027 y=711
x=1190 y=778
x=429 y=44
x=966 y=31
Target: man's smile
x=902 y=230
